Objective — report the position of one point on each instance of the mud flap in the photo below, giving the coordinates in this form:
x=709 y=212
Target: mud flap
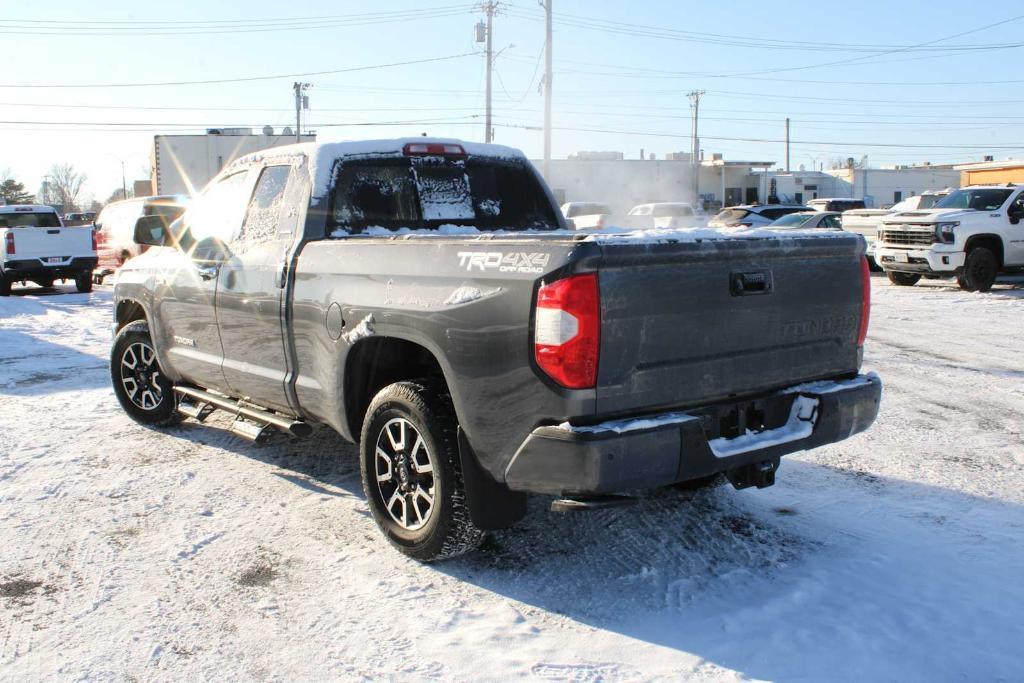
x=759 y=474
x=492 y=505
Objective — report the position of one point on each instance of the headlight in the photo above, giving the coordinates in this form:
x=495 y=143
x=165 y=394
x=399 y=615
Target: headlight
x=944 y=232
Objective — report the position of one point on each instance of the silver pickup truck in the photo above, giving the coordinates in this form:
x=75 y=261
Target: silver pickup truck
x=424 y=299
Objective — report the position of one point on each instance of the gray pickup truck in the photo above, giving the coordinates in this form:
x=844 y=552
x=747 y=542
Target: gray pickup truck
x=424 y=299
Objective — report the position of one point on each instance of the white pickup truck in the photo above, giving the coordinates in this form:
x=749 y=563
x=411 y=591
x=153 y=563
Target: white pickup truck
x=866 y=222
x=36 y=246
x=973 y=234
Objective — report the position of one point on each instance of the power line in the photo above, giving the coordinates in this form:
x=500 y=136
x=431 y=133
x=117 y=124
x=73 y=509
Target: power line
x=239 y=80
x=128 y=30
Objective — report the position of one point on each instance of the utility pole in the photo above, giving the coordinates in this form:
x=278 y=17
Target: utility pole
x=124 y=185
x=547 y=89
x=787 y=144
x=490 y=8
x=695 y=96
x=301 y=102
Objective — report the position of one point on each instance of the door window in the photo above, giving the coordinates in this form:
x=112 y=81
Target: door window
x=264 y=212
x=216 y=214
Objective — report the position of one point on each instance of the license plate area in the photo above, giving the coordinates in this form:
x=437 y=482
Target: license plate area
x=731 y=420
x=53 y=259
x=900 y=257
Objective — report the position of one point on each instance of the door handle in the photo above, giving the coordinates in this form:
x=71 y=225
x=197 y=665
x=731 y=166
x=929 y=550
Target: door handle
x=207 y=272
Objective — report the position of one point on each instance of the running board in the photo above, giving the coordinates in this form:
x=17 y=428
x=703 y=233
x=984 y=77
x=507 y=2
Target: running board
x=256 y=420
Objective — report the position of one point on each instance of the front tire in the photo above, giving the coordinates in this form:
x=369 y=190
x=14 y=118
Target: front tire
x=412 y=475
x=980 y=270
x=5 y=287
x=903 y=279
x=83 y=282
x=140 y=385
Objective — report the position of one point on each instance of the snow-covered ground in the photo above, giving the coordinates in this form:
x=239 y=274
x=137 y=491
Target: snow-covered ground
x=129 y=553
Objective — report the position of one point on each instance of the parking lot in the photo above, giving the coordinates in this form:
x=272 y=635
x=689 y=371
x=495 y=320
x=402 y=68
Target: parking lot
x=133 y=553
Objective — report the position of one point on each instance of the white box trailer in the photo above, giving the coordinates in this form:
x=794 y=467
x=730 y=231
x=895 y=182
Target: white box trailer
x=184 y=164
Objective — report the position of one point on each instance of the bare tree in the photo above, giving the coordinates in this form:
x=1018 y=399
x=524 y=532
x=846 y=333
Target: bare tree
x=65 y=185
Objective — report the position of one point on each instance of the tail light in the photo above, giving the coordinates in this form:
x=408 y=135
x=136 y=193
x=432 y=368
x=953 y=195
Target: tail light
x=9 y=243
x=567 y=335
x=865 y=306
x=418 y=149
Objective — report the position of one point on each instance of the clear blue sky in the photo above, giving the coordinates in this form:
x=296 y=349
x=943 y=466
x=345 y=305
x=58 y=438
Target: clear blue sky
x=623 y=82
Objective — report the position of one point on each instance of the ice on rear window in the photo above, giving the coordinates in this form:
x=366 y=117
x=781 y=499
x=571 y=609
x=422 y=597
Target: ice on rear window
x=444 y=194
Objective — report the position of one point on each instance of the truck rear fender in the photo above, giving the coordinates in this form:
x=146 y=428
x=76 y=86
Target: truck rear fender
x=376 y=362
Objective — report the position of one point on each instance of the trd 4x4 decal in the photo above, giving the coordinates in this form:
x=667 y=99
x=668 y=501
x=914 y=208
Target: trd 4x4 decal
x=514 y=262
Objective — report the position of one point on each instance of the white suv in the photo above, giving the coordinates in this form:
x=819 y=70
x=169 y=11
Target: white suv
x=973 y=234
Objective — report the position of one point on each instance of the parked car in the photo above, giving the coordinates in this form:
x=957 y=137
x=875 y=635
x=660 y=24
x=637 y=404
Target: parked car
x=407 y=294
x=115 y=228
x=80 y=218
x=660 y=215
x=39 y=248
x=583 y=215
x=809 y=220
x=973 y=234
x=753 y=215
x=839 y=204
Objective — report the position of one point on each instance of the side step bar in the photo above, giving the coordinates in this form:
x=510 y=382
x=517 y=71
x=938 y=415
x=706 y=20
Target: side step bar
x=245 y=416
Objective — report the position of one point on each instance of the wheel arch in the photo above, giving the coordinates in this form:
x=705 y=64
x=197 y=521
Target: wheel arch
x=990 y=241
x=129 y=311
x=374 y=363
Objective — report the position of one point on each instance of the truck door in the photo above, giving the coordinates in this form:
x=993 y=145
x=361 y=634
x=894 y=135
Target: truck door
x=1014 y=244
x=186 y=319
x=250 y=295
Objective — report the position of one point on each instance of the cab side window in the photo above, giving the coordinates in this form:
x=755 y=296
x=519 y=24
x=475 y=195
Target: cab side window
x=264 y=212
x=214 y=218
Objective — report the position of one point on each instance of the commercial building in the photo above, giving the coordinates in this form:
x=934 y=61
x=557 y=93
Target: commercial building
x=882 y=187
x=992 y=172
x=184 y=164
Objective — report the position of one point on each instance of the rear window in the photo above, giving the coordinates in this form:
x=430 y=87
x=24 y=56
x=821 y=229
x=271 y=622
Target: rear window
x=40 y=219
x=792 y=220
x=729 y=215
x=779 y=213
x=426 y=193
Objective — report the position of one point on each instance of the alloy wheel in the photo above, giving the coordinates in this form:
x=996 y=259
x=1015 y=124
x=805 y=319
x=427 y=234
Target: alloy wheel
x=140 y=374
x=404 y=472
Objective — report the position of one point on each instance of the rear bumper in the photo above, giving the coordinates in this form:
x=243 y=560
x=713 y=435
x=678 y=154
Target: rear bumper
x=664 y=449
x=28 y=269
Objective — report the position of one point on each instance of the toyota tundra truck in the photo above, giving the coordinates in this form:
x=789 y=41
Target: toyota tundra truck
x=424 y=299
x=973 y=234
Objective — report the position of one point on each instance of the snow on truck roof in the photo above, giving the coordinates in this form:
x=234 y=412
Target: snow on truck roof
x=322 y=155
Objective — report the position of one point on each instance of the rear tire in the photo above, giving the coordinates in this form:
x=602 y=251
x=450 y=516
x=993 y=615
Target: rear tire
x=140 y=385
x=903 y=279
x=412 y=474
x=980 y=270
x=5 y=287
x=83 y=282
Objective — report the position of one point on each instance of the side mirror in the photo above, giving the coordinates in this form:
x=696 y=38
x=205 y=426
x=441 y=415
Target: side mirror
x=152 y=230
x=1015 y=212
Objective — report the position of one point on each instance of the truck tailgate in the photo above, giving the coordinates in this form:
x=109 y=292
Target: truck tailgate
x=52 y=243
x=702 y=321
